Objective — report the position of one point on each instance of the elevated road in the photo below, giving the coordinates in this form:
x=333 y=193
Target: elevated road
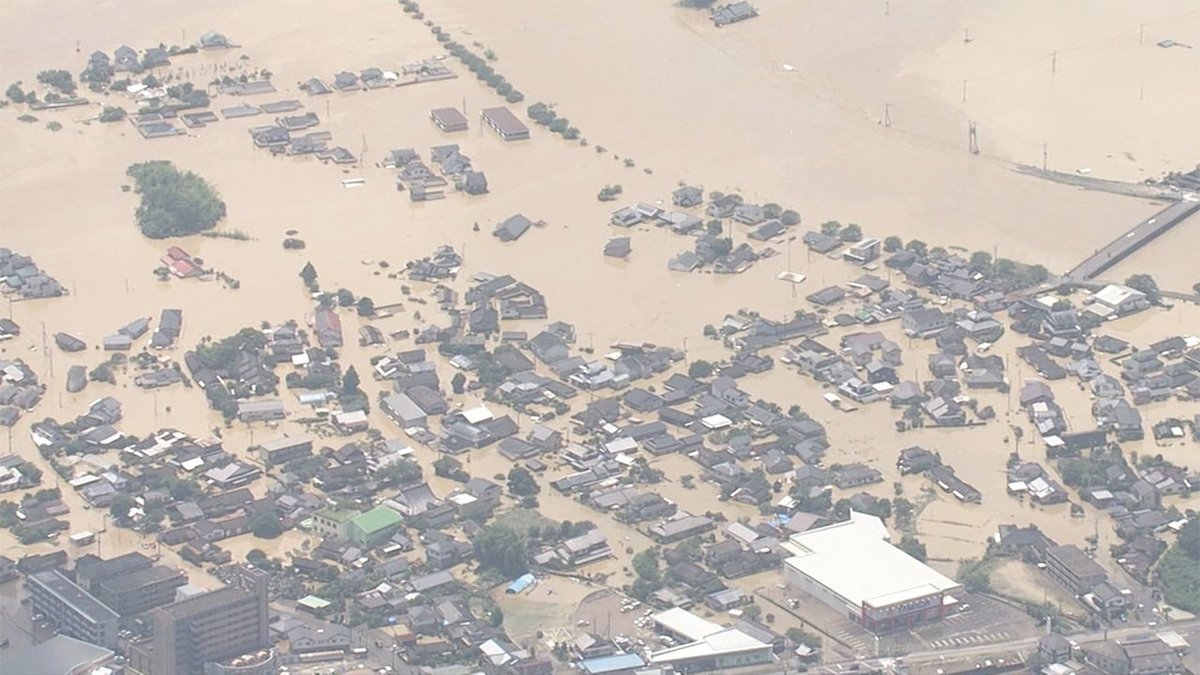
x=1133 y=240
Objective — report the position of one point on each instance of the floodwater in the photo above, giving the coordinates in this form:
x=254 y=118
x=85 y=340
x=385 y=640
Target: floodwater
x=646 y=81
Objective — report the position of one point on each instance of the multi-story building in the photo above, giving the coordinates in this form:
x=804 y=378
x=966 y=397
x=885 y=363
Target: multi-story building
x=71 y=610
x=141 y=591
x=206 y=628
x=333 y=523
x=1073 y=568
x=129 y=584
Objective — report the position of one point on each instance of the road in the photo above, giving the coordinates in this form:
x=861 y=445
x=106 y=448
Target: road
x=933 y=656
x=1133 y=240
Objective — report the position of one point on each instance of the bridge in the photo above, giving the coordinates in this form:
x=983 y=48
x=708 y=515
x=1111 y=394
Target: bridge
x=1133 y=240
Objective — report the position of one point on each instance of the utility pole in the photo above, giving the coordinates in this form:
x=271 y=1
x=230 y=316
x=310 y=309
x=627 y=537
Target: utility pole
x=964 y=91
x=1053 y=62
x=887 y=114
x=972 y=138
x=1045 y=152
x=1142 y=34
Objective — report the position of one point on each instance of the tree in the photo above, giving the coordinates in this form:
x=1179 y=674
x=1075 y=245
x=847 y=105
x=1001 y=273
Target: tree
x=798 y=636
x=831 y=228
x=649 y=578
x=789 y=218
x=975 y=575
x=772 y=210
x=700 y=369
x=918 y=247
x=502 y=548
x=344 y=297
x=403 y=472
x=266 y=526
x=351 y=382
x=1146 y=284
x=913 y=546
x=752 y=612
x=112 y=113
x=309 y=274
x=458 y=383
x=521 y=482
x=722 y=246
x=903 y=510
x=1189 y=539
x=59 y=79
x=448 y=467
x=981 y=261
x=15 y=93
x=365 y=306
x=893 y=244
x=174 y=203
x=119 y=507
x=495 y=617
x=714 y=226
x=541 y=113
x=851 y=233
x=937 y=253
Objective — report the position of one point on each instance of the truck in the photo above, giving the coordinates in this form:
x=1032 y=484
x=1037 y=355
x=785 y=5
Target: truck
x=83 y=538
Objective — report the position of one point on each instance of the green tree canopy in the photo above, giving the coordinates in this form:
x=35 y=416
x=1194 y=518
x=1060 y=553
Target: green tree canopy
x=700 y=369
x=174 y=203
x=266 y=526
x=521 y=482
x=308 y=274
x=502 y=548
x=351 y=382
x=1146 y=284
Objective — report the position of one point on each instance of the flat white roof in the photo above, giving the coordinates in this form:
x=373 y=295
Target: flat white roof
x=855 y=560
x=682 y=622
x=477 y=414
x=716 y=421
x=725 y=641
x=1114 y=294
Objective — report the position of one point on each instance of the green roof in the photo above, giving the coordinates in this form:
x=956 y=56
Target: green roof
x=313 y=602
x=378 y=518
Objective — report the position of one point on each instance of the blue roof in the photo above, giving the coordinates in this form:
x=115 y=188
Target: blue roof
x=612 y=664
x=521 y=583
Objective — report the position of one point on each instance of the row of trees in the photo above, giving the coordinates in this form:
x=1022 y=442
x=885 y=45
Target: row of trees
x=475 y=63
x=547 y=117
x=849 y=233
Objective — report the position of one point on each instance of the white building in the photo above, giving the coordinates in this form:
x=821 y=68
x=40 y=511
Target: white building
x=706 y=646
x=1115 y=300
x=852 y=567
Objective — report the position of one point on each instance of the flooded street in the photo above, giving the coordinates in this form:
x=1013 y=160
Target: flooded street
x=646 y=81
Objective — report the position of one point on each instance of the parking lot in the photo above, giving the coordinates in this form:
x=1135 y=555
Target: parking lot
x=619 y=617
x=983 y=621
